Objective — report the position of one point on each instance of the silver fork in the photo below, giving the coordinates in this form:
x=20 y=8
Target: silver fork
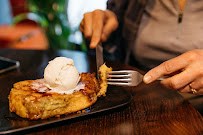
x=125 y=78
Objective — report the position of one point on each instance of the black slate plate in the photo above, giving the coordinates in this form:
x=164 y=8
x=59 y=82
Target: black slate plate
x=10 y=122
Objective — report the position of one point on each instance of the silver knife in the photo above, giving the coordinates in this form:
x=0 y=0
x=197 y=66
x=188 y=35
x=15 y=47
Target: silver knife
x=99 y=57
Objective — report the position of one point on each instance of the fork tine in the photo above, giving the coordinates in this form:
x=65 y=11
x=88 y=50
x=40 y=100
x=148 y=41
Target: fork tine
x=124 y=78
x=117 y=75
x=119 y=80
x=119 y=72
x=119 y=84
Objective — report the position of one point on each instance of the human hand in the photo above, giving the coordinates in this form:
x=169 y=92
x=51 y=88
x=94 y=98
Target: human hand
x=98 y=25
x=190 y=65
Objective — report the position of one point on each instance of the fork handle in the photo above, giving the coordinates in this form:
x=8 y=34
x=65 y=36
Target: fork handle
x=163 y=78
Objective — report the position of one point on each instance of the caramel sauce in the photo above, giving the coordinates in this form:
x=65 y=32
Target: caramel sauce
x=90 y=84
x=38 y=86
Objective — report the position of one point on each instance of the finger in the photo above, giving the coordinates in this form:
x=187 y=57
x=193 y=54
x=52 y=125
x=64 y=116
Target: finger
x=196 y=84
x=87 y=25
x=98 y=18
x=187 y=89
x=200 y=92
x=196 y=92
x=81 y=27
x=165 y=68
x=110 y=25
x=180 y=80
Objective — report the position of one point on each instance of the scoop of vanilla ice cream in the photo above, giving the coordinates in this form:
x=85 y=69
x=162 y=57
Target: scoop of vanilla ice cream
x=61 y=74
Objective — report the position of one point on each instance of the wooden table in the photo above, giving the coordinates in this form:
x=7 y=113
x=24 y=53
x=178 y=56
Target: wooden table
x=153 y=109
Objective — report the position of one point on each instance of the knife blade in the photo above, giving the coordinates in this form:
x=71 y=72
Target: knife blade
x=99 y=57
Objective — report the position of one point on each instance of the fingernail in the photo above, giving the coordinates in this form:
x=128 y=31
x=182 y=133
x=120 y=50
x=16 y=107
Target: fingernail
x=92 y=45
x=147 y=79
x=103 y=37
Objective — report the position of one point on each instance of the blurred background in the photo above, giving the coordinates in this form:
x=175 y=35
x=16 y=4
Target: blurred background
x=44 y=24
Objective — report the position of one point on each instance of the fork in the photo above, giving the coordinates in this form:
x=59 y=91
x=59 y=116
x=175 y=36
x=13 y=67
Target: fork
x=126 y=78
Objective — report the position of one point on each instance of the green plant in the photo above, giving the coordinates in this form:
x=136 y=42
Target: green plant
x=51 y=15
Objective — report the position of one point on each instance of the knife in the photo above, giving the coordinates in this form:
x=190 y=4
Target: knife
x=99 y=57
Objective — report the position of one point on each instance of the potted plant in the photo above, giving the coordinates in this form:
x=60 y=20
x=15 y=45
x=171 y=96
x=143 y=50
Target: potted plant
x=51 y=16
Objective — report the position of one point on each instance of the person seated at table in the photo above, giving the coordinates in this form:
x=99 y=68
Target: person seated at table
x=155 y=35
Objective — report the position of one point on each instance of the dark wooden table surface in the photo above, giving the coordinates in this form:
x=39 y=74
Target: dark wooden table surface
x=153 y=109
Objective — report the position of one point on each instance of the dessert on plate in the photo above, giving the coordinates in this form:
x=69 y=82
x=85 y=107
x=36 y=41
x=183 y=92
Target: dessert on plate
x=62 y=91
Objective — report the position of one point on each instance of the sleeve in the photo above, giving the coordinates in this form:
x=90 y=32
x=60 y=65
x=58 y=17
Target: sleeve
x=118 y=7
x=129 y=13
x=113 y=47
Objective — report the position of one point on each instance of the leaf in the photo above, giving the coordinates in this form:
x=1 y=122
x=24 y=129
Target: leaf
x=19 y=18
x=31 y=16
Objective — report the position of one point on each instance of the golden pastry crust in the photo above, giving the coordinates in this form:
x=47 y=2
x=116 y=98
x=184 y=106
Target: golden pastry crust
x=103 y=82
x=27 y=102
